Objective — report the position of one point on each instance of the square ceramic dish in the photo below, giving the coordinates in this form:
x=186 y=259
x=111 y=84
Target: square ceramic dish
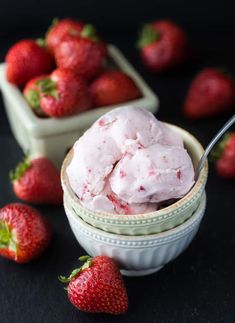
x=53 y=137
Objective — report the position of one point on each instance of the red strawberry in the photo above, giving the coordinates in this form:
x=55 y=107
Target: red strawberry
x=212 y=92
x=60 y=29
x=224 y=156
x=97 y=286
x=61 y=94
x=163 y=45
x=84 y=54
x=113 y=87
x=25 y=60
x=37 y=181
x=24 y=233
x=32 y=94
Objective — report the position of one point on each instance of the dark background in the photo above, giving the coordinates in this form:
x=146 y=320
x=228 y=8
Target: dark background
x=199 y=285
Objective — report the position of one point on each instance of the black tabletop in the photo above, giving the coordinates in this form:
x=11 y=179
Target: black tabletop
x=199 y=286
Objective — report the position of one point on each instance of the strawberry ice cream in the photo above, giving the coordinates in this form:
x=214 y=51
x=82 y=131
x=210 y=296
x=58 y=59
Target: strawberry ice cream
x=128 y=162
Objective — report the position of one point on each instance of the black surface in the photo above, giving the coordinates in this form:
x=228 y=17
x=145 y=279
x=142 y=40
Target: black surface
x=199 y=285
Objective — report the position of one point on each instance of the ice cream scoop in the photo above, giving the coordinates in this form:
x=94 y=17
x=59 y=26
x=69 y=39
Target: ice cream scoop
x=128 y=162
x=154 y=174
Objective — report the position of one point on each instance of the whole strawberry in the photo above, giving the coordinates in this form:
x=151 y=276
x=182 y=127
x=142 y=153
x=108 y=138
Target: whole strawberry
x=63 y=93
x=163 y=45
x=113 y=87
x=84 y=54
x=97 y=286
x=224 y=156
x=37 y=181
x=211 y=93
x=24 y=233
x=25 y=60
x=60 y=29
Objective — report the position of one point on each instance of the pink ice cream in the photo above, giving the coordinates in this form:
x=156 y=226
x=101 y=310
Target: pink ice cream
x=128 y=162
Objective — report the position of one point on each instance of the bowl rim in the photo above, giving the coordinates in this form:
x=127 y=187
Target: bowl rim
x=164 y=213
x=159 y=238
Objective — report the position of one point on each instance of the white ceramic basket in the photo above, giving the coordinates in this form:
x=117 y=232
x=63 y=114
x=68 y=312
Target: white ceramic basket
x=53 y=137
x=136 y=255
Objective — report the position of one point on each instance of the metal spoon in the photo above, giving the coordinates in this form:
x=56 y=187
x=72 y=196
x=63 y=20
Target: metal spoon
x=211 y=145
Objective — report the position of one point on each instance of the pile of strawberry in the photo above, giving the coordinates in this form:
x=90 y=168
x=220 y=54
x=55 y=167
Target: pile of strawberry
x=66 y=72
x=97 y=286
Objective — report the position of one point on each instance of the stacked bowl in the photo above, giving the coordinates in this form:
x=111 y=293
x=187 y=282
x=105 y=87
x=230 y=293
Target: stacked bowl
x=142 y=243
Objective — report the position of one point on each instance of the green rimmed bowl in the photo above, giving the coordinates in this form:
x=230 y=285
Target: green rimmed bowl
x=148 y=223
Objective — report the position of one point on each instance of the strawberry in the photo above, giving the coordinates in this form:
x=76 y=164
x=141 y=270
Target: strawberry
x=32 y=94
x=97 y=286
x=113 y=87
x=224 y=156
x=84 y=54
x=37 y=181
x=212 y=92
x=60 y=29
x=24 y=233
x=61 y=94
x=163 y=45
x=25 y=60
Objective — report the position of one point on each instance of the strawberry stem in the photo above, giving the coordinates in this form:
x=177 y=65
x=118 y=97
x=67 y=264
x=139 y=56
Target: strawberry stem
x=89 y=31
x=48 y=87
x=84 y=258
x=6 y=239
x=52 y=25
x=4 y=234
x=20 y=169
x=33 y=99
x=147 y=36
x=41 y=42
x=87 y=263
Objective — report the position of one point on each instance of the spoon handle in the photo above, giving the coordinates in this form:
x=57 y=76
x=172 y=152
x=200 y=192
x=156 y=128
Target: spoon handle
x=212 y=143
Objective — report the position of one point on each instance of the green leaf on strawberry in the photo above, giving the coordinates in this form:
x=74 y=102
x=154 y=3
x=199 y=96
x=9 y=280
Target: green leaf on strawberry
x=147 y=36
x=41 y=42
x=48 y=87
x=89 y=32
x=54 y=22
x=20 y=169
x=87 y=263
x=7 y=238
x=33 y=99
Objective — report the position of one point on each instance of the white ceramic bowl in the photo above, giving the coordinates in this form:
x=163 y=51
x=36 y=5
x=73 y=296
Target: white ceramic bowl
x=53 y=137
x=136 y=255
x=148 y=223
